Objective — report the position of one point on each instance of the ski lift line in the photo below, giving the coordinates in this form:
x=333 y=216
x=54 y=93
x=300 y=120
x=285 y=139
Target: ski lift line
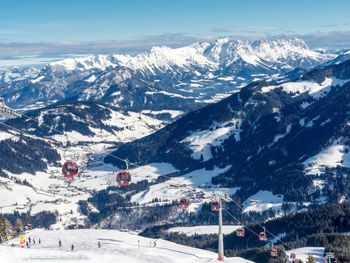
x=240 y=207
x=64 y=149
x=240 y=222
x=124 y=160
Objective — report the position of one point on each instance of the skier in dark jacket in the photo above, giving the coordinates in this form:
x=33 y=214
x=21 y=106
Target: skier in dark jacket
x=60 y=243
x=72 y=247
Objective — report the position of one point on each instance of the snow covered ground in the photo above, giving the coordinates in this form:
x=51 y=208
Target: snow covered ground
x=195 y=185
x=115 y=247
x=202 y=142
x=262 y=201
x=332 y=156
x=304 y=252
x=51 y=192
x=314 y=89
x=202 y=230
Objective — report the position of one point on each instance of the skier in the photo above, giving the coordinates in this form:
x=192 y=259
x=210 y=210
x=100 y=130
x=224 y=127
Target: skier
x=30 y=240
x=27 y=244
x=155 y=243
x=60 y=243
x=33 y=240
x=72 y=247
x=39 y=241
x=99 y=244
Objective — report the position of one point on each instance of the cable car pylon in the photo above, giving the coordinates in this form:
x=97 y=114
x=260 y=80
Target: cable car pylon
x=221 y=235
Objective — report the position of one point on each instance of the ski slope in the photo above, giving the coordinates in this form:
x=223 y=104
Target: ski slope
x=115 y=247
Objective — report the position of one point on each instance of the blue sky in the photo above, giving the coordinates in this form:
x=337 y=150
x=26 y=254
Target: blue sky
x=58 y=27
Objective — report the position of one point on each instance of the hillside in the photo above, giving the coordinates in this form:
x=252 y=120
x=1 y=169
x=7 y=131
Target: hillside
x=270 y=136
x=34 y=147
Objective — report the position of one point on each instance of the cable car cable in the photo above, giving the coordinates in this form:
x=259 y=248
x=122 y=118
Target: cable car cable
x=240 y=207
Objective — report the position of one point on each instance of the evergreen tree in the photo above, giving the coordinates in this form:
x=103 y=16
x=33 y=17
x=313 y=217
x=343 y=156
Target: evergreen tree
x=6 y=232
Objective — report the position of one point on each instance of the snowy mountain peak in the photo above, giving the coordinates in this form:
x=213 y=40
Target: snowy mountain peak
x=198 y=73
x=99 y=62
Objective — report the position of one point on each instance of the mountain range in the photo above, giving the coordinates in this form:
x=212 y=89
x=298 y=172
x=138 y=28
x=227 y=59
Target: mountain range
x=162 y=79
x=265 y=123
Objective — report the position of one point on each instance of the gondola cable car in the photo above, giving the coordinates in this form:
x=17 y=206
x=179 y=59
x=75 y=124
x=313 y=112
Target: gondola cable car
x=262 y=235
x=240 y=232
x=70 y=169
x=123 y=178
x=215 y=206
x=184 y=203
x=274 y=252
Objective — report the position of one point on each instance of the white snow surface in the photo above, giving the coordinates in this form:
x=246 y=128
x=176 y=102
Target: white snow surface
x=202 y=142
x=50 y=192
x=116 y=246
x=213 y=55
x=203 y=230
x=314 y=89
x=262 y=201
x=304 y=252
x=332 y=156
x=196 y=186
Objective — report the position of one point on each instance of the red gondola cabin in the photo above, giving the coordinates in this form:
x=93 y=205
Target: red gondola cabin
x=70 y=169
x=123 y=178
x=262 y=236
x=240 y=232
x=215 y=206
x=184 y=203
x=274 y=252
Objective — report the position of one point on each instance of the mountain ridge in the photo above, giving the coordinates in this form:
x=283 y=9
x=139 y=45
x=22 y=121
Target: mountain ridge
x=175 y=78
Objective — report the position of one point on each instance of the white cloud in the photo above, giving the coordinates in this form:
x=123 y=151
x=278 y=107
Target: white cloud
x=11 y=51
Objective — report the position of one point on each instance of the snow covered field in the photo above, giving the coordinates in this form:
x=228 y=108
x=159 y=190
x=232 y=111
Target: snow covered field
x=195 y=185
x=304 y=252
x=202 y=230
x=115 y=247
x=332 y=156
x=262 y=201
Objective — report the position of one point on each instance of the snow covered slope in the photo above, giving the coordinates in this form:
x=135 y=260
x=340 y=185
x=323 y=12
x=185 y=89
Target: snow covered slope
x=272 y=135
x=304 y=252
x=115 y=247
